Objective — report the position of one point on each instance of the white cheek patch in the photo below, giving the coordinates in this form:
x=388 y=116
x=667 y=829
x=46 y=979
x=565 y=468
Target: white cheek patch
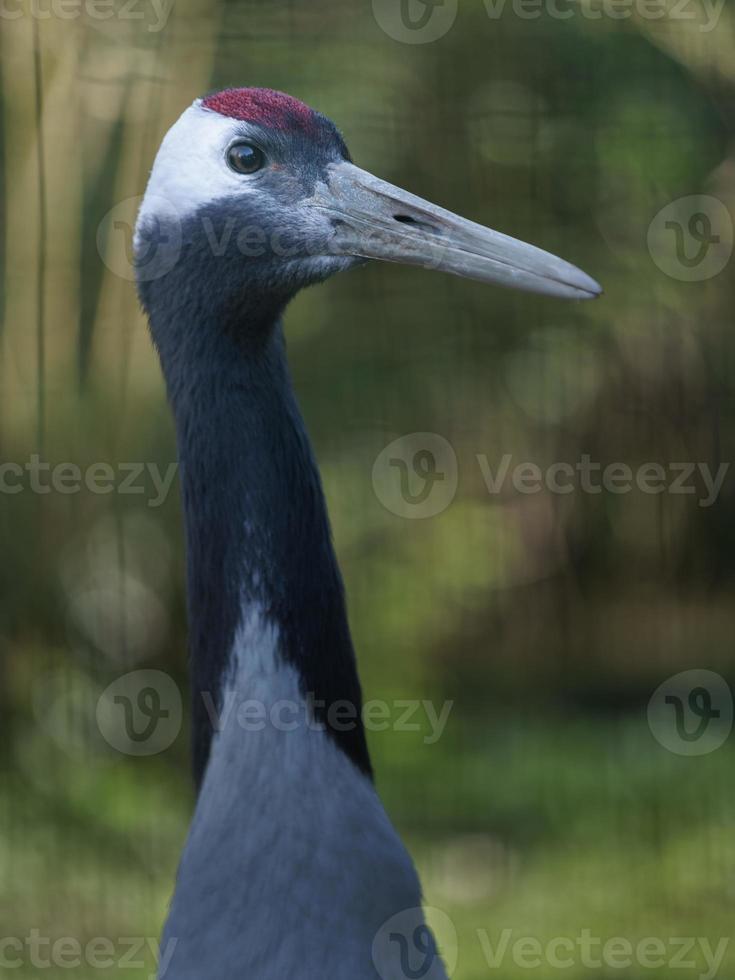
x=190 y=169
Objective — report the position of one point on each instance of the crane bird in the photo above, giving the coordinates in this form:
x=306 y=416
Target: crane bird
x=291 y=867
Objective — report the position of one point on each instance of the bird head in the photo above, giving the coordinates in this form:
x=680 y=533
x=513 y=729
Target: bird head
x=259 y=191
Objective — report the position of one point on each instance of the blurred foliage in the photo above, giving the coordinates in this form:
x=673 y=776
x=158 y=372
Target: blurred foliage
x=547 y=807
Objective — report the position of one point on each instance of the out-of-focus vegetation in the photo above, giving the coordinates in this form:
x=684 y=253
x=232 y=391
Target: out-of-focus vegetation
x=547 y=807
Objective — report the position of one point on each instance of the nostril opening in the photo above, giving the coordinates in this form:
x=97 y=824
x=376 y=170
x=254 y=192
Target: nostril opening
x=407 y=219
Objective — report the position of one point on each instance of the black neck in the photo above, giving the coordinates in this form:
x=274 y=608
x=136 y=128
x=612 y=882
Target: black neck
x=256 y=522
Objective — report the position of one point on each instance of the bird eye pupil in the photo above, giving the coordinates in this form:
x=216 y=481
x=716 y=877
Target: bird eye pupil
x=244 y=158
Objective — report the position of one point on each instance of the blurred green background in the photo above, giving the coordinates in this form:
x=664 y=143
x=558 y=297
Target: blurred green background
x=547 y=807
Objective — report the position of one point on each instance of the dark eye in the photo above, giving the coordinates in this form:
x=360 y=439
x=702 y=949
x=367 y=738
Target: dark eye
x=244 y=158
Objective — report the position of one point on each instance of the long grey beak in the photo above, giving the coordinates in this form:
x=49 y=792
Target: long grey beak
x=373 y=219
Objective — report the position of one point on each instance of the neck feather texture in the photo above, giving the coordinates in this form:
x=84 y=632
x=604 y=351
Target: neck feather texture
x=257 y=529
